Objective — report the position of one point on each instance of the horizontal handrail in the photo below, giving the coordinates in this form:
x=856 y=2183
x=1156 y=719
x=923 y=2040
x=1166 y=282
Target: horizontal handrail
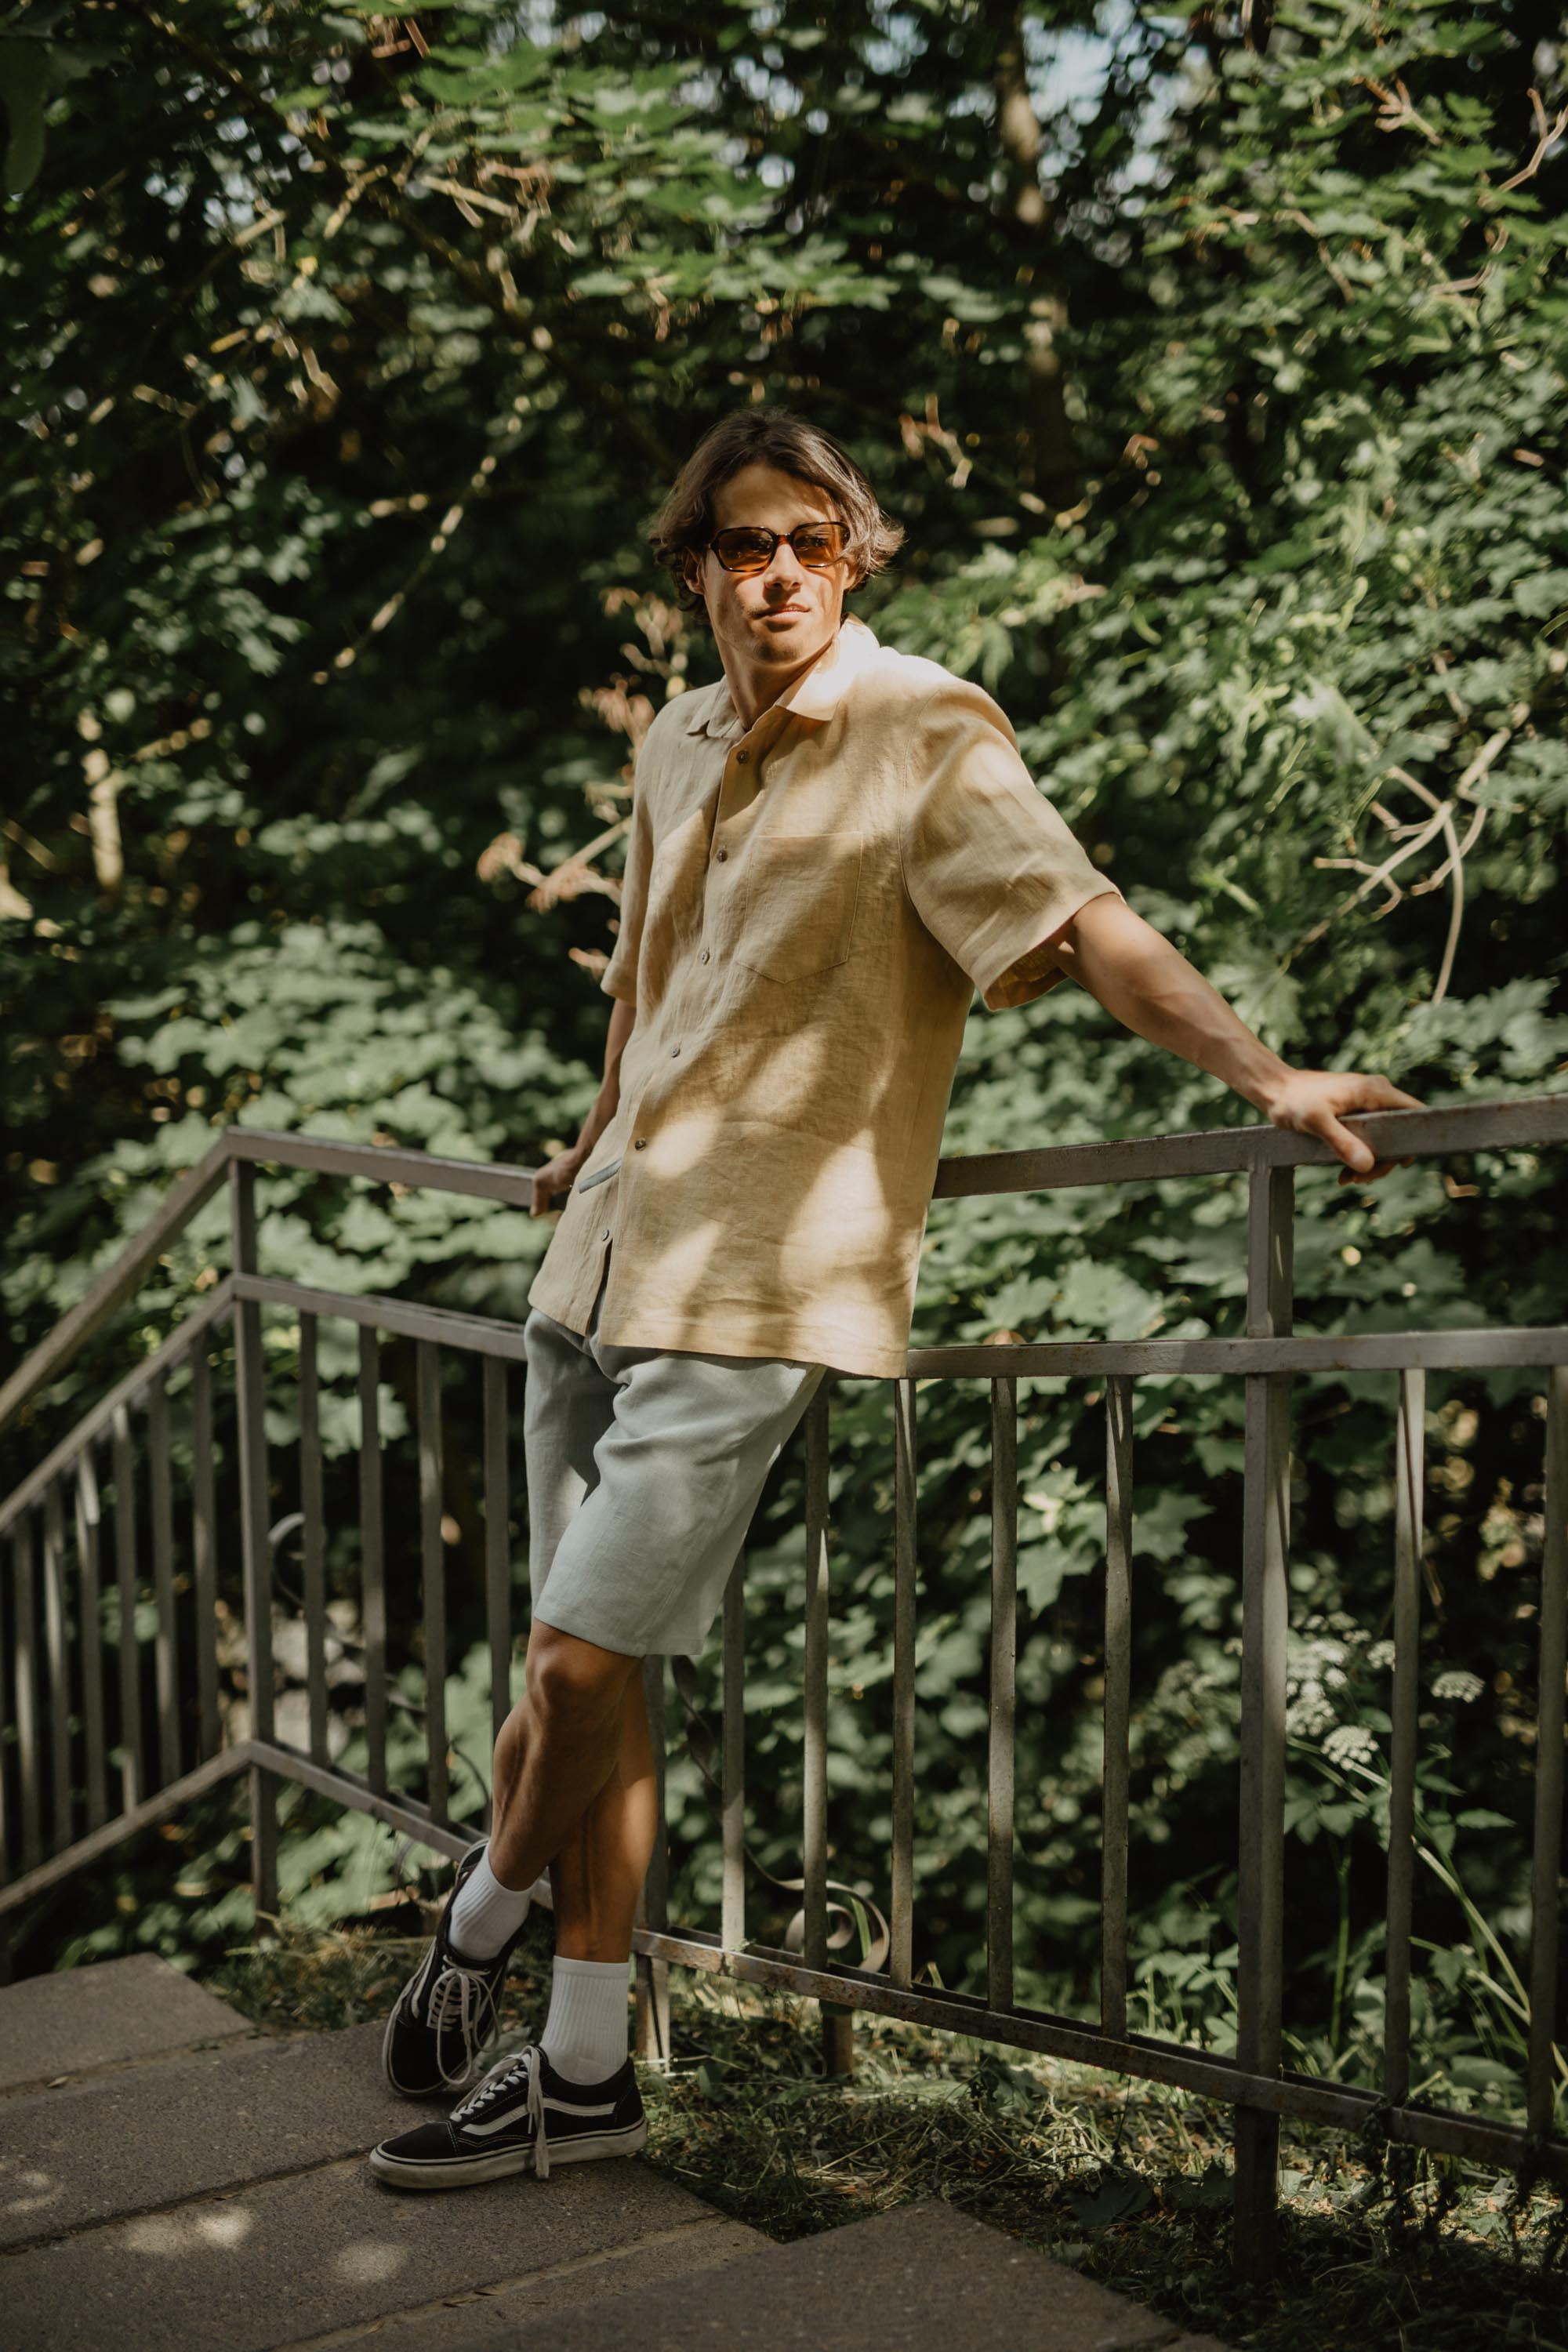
x=1400 y=1134
x=1422 y=1134
x=193 y=1191
x=1529 y=1345
x=96 y=1424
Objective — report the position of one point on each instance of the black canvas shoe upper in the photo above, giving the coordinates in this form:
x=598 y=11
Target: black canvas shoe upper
x=522 y=2107
x=447 y=2012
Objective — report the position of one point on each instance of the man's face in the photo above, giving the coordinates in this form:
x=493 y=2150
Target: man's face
x=783 y=617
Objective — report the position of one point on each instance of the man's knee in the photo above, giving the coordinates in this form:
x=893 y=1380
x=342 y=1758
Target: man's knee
x=574 y=1682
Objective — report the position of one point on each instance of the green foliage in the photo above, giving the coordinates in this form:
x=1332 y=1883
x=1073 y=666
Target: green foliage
x=347 y=367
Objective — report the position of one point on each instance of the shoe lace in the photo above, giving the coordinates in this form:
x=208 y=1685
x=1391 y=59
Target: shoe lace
x=504 y=2076
x=459 y=1999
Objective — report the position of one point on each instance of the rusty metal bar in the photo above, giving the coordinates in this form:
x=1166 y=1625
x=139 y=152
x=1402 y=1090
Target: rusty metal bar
x=127 y=1582
x=433 y=1567
x=313 y=1537
x=24 y=1586
x=1117 y=1702
x=1003 y=1693
x=203 y=1552
x=498 y=1543
x=901 y=1921
x=372 y=1559
x=256 y=1551
x=1546 y=1861
x=1409 y=1457
x=1264 y=1621
x=55 y=1664
x=732 y=1914
x=166 y=1656
x=813 y=1760
x=89 y=1564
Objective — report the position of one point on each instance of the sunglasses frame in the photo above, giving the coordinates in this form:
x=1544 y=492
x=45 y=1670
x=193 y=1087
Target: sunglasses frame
x=744 y=570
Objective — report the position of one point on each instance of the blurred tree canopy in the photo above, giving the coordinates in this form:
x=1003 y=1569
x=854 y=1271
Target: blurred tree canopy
x=1220 y=394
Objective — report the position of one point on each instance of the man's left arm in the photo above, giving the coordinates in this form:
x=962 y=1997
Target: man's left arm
x=1149 y=987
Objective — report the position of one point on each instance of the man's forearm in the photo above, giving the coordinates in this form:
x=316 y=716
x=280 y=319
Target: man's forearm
x=1149 y=987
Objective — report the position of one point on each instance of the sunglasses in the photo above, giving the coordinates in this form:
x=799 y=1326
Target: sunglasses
x=748 y=547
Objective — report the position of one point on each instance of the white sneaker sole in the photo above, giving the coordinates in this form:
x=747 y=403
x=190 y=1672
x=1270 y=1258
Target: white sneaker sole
x=463 y=2172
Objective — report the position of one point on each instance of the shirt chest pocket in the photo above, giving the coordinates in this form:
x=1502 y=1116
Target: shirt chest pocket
x=799 y=897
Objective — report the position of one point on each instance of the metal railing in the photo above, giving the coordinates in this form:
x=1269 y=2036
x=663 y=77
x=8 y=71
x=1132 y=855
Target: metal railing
x=58 y=1811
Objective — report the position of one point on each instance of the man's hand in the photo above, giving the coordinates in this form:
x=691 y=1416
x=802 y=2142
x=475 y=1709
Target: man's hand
x=1314 y=1102
x=556 y=1176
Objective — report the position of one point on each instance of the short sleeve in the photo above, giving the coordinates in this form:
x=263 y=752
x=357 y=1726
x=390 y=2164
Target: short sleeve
x=619 y=977
x=991 y=870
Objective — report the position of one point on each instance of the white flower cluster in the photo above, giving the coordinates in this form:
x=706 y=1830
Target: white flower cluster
x=1457 y=1681
x=1351 y=1743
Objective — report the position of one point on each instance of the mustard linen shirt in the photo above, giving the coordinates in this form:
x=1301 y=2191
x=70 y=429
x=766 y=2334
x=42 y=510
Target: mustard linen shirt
x=807 y=908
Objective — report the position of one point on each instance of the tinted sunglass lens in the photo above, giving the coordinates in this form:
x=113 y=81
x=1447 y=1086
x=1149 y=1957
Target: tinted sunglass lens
x=819 y=545
x=744 y=550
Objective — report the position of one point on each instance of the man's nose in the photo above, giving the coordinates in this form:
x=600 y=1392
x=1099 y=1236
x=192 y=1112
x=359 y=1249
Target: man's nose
x=787 y=570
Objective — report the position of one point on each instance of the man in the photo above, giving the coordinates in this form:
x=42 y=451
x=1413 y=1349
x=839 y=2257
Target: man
x=830 y=850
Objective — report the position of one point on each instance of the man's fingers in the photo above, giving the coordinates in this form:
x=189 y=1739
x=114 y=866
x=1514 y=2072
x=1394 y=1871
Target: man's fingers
x=1357 y=1156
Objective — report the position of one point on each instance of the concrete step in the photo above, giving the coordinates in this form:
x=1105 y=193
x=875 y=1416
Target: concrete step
x=327 y=2252
x=924 y=2278
x=115 y=2145
x=111 y=2013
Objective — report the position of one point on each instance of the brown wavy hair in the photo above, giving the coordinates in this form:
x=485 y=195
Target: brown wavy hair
x=776 y=438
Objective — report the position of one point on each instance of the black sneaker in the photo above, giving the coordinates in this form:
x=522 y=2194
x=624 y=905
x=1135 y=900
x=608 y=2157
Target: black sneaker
x=446 y=2012
x=524 y=2116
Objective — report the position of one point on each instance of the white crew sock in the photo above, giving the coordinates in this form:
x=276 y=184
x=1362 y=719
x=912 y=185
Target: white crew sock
x=486 y=1914
x=584 y=2035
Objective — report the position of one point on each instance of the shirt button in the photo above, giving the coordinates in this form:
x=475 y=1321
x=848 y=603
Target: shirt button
x=742 y=758
x=606 y=1234
x=704 y=957
x=639 y=1143
x=721 y=855
x=675 y=1049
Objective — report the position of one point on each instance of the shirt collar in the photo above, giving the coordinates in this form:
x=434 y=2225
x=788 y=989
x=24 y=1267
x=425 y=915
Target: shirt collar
x=815 y=694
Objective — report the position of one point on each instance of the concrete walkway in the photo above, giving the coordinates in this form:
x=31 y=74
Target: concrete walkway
x=171 y=2181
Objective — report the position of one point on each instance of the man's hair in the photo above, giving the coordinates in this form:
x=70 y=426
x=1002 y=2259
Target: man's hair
x=776 y=438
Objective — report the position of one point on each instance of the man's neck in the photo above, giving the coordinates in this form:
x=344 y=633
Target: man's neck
x=755 y=686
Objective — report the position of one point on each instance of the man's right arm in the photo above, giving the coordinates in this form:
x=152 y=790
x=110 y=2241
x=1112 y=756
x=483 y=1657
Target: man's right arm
x=560 y=1172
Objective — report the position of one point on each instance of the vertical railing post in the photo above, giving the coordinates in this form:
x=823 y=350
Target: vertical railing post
x=732 y=1911
x=901 y=1921
x=433 y=1567
x=127 y=1580
x=255 y=1549
x=203 y=1552
x=89 y=1527
x=1264 y=1622
x=373 y=1557
x=1546 y=1863
x=313 y=1539
x=1409 y=1455
x=56 y=1666
x=1118 y=1704
x=1002 y=1684
x=651 y=2036
x=498 y=1542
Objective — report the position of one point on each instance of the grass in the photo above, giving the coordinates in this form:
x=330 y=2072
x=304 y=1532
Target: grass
x=1126 y=2181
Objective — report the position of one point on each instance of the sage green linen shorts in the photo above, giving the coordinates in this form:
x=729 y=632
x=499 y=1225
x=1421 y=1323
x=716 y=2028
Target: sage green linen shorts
x=644 y=1467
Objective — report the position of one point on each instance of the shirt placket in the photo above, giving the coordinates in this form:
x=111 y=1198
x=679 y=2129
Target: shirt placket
x=740 y=785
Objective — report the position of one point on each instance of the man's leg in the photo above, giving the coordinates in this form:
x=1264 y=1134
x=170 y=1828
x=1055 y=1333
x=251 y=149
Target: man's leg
x=573 y=1790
